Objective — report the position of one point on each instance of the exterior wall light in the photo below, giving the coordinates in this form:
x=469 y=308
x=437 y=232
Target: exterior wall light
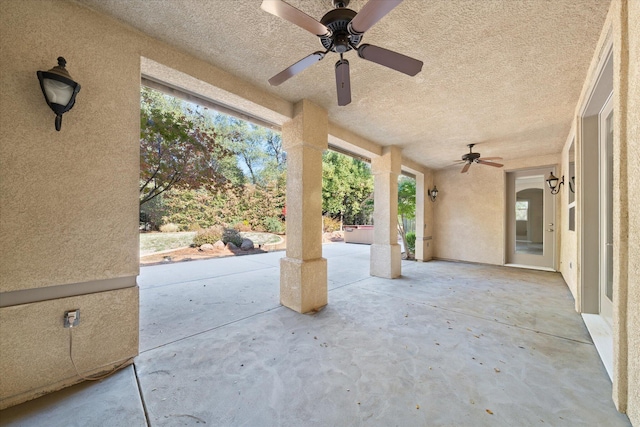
x=59 y=89
x=553 y=183
x=572 y=184
x=433 y=193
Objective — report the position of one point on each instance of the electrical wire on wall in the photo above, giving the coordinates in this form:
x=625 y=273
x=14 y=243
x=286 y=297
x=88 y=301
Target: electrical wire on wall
x=91 y=377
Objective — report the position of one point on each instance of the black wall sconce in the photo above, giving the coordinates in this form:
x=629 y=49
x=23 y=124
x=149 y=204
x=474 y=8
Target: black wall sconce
x=553 y=183
x=433 y=193
x=572 y=184
x=59 y=89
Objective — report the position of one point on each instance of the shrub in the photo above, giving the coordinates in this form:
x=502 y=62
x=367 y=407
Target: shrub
x=169 y=228
x=210 y=235
x=331 y=225
x=411 y=241
x=242 y=226
x=273 y=225
x=233 y=236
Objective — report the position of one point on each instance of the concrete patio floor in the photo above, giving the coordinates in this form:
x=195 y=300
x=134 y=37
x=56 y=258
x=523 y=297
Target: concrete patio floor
x=448 y=344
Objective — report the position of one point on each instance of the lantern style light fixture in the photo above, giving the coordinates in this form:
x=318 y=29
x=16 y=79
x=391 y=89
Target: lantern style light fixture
x=59 y=89
x=572 y=184
x=433 y=193
x=553 y=183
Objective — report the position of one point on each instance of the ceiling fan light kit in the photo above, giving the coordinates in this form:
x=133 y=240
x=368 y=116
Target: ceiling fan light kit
x=341 y=30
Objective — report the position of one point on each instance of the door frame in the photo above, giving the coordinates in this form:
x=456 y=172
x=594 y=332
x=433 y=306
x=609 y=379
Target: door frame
x=550 y=240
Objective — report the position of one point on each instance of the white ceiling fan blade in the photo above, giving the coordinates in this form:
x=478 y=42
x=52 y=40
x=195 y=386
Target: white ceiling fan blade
x=295 y=16
x=296 y=68
x=370 y=14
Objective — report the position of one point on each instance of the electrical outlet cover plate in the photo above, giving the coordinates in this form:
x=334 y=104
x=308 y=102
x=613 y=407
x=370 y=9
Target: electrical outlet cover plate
x=71 y=318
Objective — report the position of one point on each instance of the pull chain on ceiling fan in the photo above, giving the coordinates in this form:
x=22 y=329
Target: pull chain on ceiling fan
x=341 y=30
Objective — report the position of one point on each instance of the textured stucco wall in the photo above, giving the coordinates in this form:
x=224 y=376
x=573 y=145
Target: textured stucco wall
x=469 y=215
x=35 y=346
x=633 y=189
x=67 y=199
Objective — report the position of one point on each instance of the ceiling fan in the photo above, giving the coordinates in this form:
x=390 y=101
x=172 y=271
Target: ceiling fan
x=472 y=157
x=341 y=30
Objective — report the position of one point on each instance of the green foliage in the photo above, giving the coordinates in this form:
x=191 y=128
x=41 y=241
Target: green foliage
x=210 y=235
x=330 y=225
x=406 y=210
x=411 y=241
x=169 y=228
x=407 y=198
x=347 y=188
x=233 y=236
x=177 y=148
x=274 y=225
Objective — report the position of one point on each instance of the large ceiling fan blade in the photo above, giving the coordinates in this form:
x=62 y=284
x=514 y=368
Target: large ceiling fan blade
x=295 y=16
x=296 y=68
x=388 y=58
x=343 y=83
x=465 y=168
x=483 y=162
x=371 y=13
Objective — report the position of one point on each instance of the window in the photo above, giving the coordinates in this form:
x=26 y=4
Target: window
x=522 y=210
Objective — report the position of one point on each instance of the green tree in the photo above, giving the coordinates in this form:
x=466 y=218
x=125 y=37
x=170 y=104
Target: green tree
x=177 y=150
x=347 y=186
x=406 y=208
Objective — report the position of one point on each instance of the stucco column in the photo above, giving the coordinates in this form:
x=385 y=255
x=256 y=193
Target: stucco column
x=303 y=272
x=385 y=251
x=424 y=218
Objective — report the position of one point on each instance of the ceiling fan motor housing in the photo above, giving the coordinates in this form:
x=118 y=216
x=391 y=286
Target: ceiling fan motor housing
x=471 y=157
x=340 y=40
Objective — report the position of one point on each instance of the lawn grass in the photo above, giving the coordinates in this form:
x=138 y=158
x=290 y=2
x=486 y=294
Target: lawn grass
x=156 y=242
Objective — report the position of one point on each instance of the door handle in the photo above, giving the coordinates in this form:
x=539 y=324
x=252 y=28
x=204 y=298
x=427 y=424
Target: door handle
x=549 y=229
x=550 y=224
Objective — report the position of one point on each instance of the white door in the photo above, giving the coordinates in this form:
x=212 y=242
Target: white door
x=530 y=220
x=606 y=210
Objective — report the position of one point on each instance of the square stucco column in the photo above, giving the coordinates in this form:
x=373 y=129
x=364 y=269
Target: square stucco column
x=303 y=272
x=385 y=251
x=424 y=221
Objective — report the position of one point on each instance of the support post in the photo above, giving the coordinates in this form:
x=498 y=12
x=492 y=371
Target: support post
x=303 y=272
x=385 y=251
x=424 y=218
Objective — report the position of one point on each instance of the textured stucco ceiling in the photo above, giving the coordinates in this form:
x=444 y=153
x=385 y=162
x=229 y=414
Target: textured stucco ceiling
x=505 y=74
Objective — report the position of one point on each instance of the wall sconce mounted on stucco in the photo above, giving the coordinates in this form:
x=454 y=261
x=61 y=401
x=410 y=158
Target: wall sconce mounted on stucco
x=433 y=193
x=552 y=181
x=572 y=184
x=59 y=89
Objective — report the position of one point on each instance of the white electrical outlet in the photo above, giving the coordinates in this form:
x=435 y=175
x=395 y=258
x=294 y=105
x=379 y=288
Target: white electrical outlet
x=71 y=318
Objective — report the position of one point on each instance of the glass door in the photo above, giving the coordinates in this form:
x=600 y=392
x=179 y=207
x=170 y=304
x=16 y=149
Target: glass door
x=530 y=220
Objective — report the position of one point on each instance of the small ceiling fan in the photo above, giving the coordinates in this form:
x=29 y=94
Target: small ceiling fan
x=341 y=30
x=472 y=157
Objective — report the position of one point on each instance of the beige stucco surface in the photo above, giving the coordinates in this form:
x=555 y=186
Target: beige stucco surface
x=469 y=215
x=35 y=347
x=303 y=272
x=523 y=107
x=633 y=189
x=67 y=199
x=385 y=251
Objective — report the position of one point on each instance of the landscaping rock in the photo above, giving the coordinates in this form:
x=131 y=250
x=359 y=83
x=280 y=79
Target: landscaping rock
x=247 y=244
x=219 y=245
x=231 y=246
x=206 y=247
